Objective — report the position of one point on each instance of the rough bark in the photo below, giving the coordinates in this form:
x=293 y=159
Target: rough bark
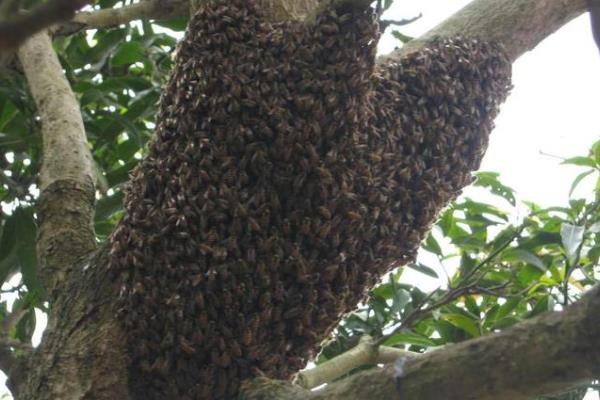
x=65 y=207
x=82 y=355
x=519 y=25
x=541 y=356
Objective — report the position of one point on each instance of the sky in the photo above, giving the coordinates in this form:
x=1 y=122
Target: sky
x=552 y=111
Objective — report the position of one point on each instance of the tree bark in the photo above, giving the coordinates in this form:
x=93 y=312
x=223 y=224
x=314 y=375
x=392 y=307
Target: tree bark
x=82 y=354
x=518 y=25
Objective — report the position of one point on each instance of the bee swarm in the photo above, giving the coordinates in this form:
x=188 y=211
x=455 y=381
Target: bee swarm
x=287 y=173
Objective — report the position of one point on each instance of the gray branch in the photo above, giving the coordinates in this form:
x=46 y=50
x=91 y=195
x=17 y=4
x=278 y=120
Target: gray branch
x=519 y=25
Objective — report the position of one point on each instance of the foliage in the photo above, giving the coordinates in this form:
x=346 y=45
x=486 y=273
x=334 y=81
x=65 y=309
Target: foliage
x=117 y=76
x=497 y=262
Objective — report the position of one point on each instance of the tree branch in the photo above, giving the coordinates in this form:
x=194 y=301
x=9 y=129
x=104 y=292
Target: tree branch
x=519 y=25
x=110 y=17
x=385 y=23
x=367 y=352
x=65 y=207
x=17 y=28
x=503 y=366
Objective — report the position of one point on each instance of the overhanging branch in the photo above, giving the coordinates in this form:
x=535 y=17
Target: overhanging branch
x=110 y=17
x=18 y=26
x=519 y=25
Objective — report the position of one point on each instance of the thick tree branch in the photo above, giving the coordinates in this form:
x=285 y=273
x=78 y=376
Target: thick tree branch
x=365 y=353
x=107 y=18
x=537 y=357
x=65 y=207
x=519 y=25
x=17 y=28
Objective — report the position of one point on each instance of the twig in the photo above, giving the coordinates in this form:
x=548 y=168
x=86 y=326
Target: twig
x=366 y=352
x=17 y=28
x=385 y=23
x=495 y=253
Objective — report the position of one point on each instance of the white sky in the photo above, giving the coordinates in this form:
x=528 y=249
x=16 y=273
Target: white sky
x=552 y=109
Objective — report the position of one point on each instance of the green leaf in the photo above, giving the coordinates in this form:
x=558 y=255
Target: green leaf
x=505 y=309
x=8 y=248
x=462 y=322
x=525 y=256
x=578 y=180
x=400 y=299
x=26 y=326
x=424 y=269
x=571 y=236
x=26 y=252
x=401 y=36
x=596 y=152
x=581 y=161
x=432 y=245
x=528 y=275
x=490 y=180
x=594 y=254
x=128 y=53
x=471 y=305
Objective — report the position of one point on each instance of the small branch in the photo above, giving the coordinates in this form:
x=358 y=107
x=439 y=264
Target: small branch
x=385 y=23
x=110 y=17
x=66 y=203
x=19 y=27
x=365 y=353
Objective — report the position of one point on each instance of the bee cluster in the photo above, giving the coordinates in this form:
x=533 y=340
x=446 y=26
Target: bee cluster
x=286 y=175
